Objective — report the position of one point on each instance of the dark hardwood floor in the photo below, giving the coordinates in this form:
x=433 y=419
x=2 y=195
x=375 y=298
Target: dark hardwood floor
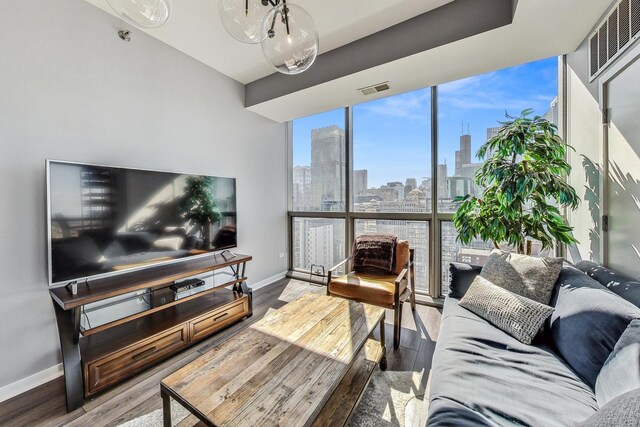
x=45 y=405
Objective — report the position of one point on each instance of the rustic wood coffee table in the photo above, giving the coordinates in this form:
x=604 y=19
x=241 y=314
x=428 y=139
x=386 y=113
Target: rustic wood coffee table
x=305 y=364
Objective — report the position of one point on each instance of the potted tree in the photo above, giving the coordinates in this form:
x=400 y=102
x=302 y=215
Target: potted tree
x=198 y=206
x=524 y=185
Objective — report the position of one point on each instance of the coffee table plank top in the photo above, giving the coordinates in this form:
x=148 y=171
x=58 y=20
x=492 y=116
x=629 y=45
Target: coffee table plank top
x=281 y=370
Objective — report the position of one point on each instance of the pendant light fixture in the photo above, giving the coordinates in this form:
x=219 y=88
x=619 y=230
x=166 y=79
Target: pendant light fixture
x=287 y=32
x=243 y=19
x=142 y=13
x=291 y=42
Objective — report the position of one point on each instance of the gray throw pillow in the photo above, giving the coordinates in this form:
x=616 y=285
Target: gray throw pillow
x=587 y=322
x=623 y=411
x=621 y=371
x=531 y=277
x=518 y=316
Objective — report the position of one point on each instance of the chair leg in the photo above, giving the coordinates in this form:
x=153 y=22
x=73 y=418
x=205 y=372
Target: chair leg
x=397 y=326
x=413 y=301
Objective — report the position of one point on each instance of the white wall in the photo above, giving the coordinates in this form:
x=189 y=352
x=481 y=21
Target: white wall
x=71 y=89
x=586 y=134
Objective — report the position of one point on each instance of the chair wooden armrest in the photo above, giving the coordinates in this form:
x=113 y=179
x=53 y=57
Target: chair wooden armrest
x=402 y=276
x=335 y=267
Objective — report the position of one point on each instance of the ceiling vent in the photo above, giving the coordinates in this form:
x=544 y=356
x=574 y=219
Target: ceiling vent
x=613 y=36
x=380 y=87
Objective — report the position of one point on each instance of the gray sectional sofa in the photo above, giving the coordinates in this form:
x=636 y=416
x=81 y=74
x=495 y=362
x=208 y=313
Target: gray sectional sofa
x=481 y=376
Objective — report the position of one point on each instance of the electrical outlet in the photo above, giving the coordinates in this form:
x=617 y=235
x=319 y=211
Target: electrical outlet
x=282 y=254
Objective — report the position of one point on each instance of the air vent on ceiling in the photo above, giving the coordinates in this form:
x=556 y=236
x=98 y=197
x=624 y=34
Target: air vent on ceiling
x=370 y=90
x=617 y=31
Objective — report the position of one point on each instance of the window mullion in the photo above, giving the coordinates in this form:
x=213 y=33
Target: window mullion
x=434 y=226
x=348 y=226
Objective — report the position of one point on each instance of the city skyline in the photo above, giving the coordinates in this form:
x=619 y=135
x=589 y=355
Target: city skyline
x=396 y=131
x=475 y=104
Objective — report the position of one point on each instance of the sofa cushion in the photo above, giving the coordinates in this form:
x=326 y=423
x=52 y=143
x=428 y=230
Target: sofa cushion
x=531 y=277
x=621 y=370
x=368 y=288
x=587 y=322
x=461 y=276
x=483 y=376
x=623 y=411
x=518 y=316
x=616 y=283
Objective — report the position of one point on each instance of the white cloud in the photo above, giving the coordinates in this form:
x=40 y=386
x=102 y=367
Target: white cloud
x=410 y=105
x=489 y=92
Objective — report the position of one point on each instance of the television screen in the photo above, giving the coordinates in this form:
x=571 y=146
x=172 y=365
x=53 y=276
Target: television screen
x=106 y=220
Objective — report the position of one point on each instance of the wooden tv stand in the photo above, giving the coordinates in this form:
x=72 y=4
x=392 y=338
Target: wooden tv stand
x=97 y=358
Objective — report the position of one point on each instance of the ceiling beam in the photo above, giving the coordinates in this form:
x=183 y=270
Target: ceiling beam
x=452 y=22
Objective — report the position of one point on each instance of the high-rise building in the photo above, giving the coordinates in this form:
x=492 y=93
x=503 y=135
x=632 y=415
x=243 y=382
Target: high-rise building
x=320 y=246
x=397 y=190
x=360 y=182
x=463 y=156
x=469 y=170
x=457 y=186
x=301 y=188
x=552 y=114
x=412 y=183
x=426 y=186
x=319 y=243
x=491 y=132
x=442 y=180
x=327 y=168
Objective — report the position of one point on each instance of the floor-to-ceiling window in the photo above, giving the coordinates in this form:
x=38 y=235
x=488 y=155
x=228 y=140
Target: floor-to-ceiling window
x=318 y=186
x=383 y=166
x=392 y=172
x=469 y=114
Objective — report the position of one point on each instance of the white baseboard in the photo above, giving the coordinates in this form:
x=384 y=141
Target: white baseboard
x=33 y=381
x=42 y=377
x=268 y=281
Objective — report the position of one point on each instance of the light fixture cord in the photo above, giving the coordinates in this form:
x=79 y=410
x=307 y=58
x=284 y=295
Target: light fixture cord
x=246 y=8
x=286 y=16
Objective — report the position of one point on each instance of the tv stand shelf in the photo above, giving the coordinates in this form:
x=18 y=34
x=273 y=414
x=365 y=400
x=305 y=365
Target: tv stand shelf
x=100 y=289
x=100 y=357
x=88 y=332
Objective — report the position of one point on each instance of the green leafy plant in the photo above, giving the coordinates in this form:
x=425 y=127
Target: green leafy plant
x=198 y=206
x=524 y=184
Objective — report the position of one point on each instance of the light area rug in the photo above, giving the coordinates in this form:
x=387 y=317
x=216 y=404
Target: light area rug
x=152 y=419
x=296 y=289
x=391 y=399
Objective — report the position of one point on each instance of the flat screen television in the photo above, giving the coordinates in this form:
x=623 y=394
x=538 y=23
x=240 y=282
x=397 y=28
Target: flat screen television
x=104 y=220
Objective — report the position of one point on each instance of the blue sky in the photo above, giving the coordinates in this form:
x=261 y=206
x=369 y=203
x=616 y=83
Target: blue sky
x=392 y=135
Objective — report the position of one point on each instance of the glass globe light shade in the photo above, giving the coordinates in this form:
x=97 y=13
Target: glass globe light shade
x=243 y=19
x=292 y=51
x=142 y=13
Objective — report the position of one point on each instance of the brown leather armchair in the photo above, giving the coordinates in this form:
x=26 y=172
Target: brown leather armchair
x=385 y=291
